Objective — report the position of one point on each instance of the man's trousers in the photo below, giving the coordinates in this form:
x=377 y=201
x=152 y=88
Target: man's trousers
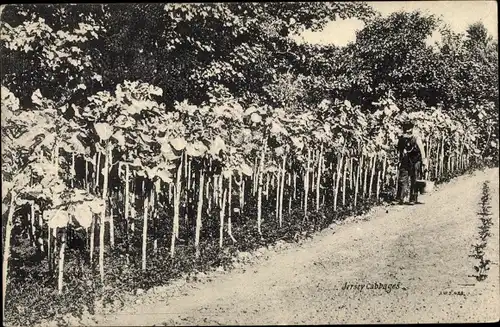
x=408 y=175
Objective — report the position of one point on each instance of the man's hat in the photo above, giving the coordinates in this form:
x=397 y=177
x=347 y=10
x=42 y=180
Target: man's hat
x=407 y=124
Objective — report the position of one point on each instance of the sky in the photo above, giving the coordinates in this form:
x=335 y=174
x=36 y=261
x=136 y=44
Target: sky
x=458 y=14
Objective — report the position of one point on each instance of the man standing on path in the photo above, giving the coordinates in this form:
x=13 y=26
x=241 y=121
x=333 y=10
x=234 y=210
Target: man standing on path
x=412 y=161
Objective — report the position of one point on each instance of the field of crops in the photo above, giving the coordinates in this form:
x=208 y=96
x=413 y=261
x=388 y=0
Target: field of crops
x=140 y=142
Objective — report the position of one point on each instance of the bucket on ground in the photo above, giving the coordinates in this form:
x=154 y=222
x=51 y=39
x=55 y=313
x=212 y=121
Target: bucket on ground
x=424 y=186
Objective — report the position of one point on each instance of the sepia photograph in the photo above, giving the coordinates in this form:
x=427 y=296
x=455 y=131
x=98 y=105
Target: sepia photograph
x=250 y=163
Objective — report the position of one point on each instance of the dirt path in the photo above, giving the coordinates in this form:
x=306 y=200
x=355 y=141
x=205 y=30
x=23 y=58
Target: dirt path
x=422 y=250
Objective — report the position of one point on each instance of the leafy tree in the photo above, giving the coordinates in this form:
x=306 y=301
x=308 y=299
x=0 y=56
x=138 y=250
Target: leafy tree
x=390 y=55
x=477 y=36
x=50 y=48
x=465 y=71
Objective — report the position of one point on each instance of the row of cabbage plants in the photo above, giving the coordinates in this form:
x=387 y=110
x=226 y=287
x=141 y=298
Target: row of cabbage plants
x=126 y=162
